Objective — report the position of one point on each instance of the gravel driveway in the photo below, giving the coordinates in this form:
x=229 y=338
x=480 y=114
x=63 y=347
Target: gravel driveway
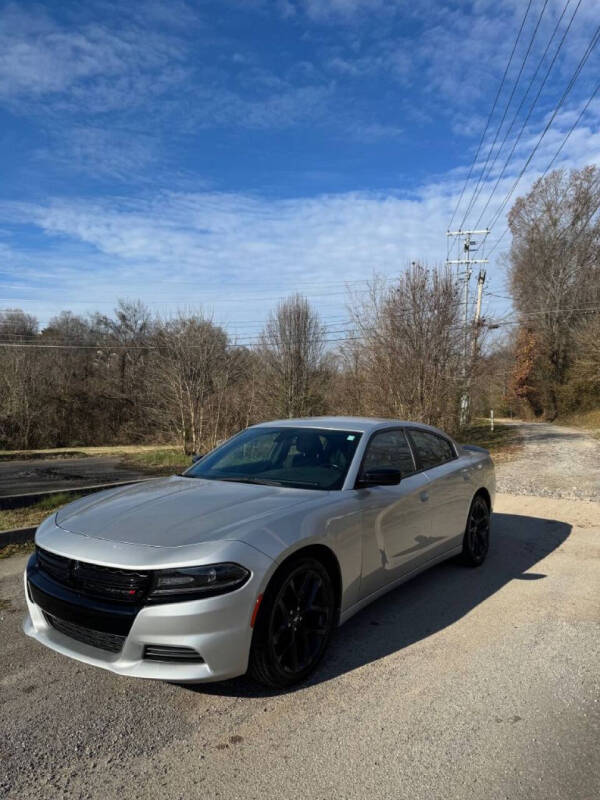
x=555 y=461
x=468 y=684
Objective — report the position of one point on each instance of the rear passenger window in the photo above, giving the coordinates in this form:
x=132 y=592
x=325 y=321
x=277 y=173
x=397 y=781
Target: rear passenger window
x=431 y=450
x=389 y=450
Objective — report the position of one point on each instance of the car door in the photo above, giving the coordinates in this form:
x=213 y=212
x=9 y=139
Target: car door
x=395 y=522
x=449 y=493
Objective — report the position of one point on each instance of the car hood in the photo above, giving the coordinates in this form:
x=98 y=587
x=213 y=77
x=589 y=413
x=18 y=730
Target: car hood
x=177 y=511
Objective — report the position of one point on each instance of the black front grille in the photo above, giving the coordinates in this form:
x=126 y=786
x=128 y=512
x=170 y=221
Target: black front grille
x=105 y=641
x=92 y=580
x=56 y=567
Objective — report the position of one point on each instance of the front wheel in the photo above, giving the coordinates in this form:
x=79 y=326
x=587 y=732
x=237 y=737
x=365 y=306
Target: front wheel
x=476 y=540
x=294 y=625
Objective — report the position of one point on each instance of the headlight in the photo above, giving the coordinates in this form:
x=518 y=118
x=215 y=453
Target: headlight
x=187 y=583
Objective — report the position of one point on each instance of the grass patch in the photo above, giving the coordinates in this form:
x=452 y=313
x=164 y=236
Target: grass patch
x=159 y=460
x=590 y=420
x=82 y=452
x=32 y=515
x=503 y=442
x=20 y=549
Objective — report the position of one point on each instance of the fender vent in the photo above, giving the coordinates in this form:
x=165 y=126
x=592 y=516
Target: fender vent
x=159 y=652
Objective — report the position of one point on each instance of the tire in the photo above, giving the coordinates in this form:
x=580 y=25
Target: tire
x=476 y=541
x=294 y=624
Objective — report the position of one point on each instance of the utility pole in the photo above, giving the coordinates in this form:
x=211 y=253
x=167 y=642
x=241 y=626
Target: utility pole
x=468 y=244
x=477 y=318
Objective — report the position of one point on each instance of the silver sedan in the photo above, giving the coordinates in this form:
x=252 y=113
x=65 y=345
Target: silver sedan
x=249 y=560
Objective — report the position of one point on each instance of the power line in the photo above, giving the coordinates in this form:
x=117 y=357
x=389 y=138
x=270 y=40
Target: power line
x=295 y=289
x=207 y=300
x=584 y=58
x=532 y=106
x=533 y=314
x=590 y=215
x=487 y=124
x=401 y=312
x=251 y=337
x=499 y=128
x=31 y=346
x=565 y=232
x=108 y=346
x=572 y=128
x=498 y=242
x=326 y=324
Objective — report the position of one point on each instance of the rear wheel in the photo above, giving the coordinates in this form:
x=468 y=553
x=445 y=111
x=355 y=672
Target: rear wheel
x=476 y=541
x=294 y=625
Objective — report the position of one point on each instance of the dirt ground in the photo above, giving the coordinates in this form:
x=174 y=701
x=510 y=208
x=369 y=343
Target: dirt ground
x=469 y=684
x=554 y=461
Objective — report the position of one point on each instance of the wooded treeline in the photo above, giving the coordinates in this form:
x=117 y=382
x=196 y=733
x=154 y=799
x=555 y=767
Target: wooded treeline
x=133 y=377
x=549 y=366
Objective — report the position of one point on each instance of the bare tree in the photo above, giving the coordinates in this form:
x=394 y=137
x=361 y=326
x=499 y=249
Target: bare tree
x=295 y=369
x=586 y=367
x=493 y=385
x=554 y=270
x=16 y=325
x=21 y=381
x=582 y=387
x=406 y=353
x=191 y=369
x=72 y=396
x=123 y=348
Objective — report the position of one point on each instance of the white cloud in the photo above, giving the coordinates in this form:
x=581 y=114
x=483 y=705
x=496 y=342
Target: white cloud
x=127 y=66
x=218 y=249
x=374 y=131
x=100 y=152
x=176 y=248
x=210 y=106
x=211 y=249
x=321 y=10
x=39 y=58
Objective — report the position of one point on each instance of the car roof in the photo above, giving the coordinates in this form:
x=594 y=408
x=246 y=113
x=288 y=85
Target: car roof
x=352 y=424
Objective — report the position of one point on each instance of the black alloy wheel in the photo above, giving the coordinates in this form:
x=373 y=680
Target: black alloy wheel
x=294 y=625
x=476 y=541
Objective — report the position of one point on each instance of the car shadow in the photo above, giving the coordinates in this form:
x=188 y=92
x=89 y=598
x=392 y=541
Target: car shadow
x=426 y=604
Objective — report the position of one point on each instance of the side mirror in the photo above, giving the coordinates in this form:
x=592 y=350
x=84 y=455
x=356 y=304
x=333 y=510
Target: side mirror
x=386 y=476
x=196 y=457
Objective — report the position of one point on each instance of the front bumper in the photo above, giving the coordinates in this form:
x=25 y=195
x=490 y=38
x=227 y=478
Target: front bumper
x=217 y=628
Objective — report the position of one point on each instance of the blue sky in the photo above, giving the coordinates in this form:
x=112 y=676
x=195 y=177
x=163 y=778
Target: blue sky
x=219 y=155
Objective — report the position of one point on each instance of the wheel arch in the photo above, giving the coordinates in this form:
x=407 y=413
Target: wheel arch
x=483 y=492
x=329 y=560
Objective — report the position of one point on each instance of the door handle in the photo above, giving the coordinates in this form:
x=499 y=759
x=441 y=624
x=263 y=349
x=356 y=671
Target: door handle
x=424 y=496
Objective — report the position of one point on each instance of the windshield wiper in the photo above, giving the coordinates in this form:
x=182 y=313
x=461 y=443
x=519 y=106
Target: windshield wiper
x=270 y=481
x=248 y=479
x=258 y=481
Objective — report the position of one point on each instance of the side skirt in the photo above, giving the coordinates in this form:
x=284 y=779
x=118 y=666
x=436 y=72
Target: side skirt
x=356 y=607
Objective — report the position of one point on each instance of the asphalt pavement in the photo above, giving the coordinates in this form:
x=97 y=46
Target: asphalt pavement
x=53 y=474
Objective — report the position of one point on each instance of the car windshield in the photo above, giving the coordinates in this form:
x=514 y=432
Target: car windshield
x=304 y=458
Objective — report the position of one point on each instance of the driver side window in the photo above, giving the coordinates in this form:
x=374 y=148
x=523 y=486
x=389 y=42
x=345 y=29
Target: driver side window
x=389 y=450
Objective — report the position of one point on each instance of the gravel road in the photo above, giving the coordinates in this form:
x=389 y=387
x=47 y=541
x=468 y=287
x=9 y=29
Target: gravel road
x=555 y=461
x=471 y=684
